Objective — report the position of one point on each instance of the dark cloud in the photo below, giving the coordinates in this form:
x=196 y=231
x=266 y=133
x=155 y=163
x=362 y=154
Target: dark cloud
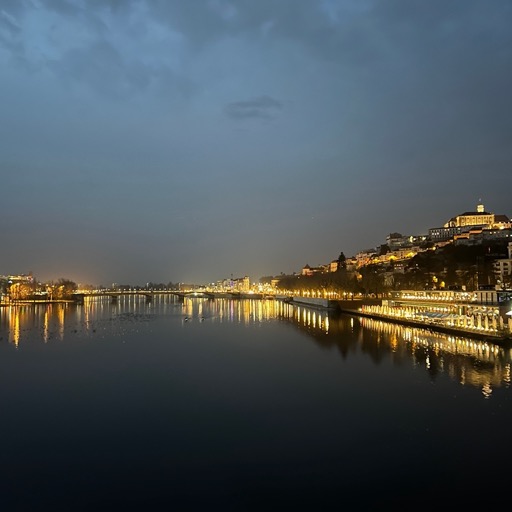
x=262 y=107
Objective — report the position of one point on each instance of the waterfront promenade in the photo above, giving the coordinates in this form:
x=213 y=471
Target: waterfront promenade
x=486 y=321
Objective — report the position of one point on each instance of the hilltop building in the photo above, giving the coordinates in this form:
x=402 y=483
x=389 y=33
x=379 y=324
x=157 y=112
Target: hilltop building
x=462 y=226
x=477 y=218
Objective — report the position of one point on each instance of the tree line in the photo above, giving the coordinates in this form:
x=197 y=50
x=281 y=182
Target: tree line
x=62 y=289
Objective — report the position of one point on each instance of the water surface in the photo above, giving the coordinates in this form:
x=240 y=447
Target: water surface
x=244 y=405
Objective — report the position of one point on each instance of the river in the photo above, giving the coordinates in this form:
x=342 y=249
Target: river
x=236 y=405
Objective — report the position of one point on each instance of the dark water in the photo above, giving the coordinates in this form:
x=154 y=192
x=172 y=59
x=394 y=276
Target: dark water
x=245 y=405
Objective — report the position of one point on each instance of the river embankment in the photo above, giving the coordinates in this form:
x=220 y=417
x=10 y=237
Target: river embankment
x=355 y=307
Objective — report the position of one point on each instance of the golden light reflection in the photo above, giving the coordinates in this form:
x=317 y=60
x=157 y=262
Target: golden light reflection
x=506 y=376
x=244 y=311
x=61 y=318
x=468 y=361
x=15 y=325
x=394 y=342
x=46 y=324
x=487 y=390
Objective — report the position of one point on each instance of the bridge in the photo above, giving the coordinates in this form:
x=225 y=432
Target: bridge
x=149 y=294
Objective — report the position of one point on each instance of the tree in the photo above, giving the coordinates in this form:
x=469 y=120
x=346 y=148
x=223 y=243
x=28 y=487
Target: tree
x=63 y=289
x=384 y=249
x=372 y=279
x=21 y=291
x=342 y=261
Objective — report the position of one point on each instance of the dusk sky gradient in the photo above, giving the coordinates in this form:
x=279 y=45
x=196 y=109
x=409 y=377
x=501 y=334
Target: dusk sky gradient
x=194 y=140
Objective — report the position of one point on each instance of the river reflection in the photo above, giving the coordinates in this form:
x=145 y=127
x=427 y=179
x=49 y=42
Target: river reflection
x=469 y=362
x=243 y=405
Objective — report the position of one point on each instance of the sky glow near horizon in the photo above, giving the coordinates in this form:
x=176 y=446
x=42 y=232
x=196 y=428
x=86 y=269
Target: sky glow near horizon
x=194 y=141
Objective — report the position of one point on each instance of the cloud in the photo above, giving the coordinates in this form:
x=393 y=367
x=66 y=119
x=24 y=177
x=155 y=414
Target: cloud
x=402 y=102
x=103 y=67
x=262 y=107
x=10 y=31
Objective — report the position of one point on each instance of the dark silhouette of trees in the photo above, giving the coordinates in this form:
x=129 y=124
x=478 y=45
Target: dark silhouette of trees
x=372 y=279
x=455 y=266
x=384 y=249
x=342 y=261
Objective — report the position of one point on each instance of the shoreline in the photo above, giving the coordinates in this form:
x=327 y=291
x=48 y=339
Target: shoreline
x=30 y=302
x=482 y=336
x=338 y=306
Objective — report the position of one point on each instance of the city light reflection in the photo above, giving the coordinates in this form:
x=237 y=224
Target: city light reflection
x=468 y=361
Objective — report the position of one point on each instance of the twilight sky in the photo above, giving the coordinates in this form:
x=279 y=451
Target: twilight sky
x=191 y=141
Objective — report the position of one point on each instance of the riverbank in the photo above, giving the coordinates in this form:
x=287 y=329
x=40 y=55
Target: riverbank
x=354 y=307
x=30 y=302
x=453 y=331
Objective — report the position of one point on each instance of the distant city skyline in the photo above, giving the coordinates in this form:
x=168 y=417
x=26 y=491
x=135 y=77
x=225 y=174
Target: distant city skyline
x=191 y=141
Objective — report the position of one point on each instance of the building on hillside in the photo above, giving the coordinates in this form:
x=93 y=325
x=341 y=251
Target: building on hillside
x=502 y=222
x=503 y=269
x=480 y=218
x=443 y=234
x=351 y=264
x=309 y=271
x=396 y=241
x=365 y=257
x=241 y=284
x=306 y=270
x=457 y=227
x=401 y=254
x=21 y=278
x=471 y=219
x=399 y=267
x=476 y=236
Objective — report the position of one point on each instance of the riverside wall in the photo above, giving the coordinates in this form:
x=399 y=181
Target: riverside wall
x=349 y=306
x=313 y=302
x=352 y=307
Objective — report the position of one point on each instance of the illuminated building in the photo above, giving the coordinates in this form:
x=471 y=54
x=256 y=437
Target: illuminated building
x=483 y=311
